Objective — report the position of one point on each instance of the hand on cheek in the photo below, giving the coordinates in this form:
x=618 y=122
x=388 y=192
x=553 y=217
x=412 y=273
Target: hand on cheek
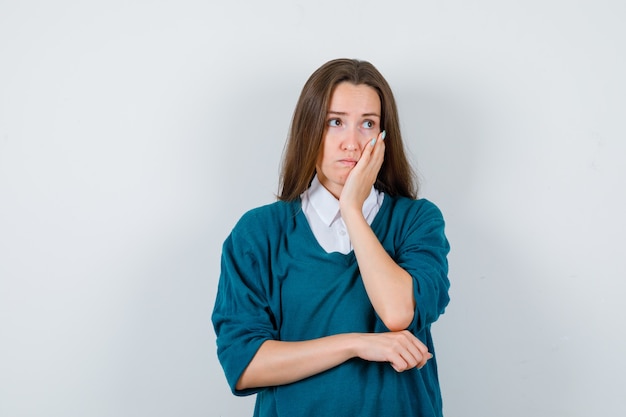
x=360 y=180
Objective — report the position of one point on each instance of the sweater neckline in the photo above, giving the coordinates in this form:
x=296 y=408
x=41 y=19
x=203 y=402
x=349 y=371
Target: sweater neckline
x=348 y=257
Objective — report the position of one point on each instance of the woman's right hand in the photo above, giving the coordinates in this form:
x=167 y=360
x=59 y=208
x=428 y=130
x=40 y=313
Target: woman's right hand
x=401 y=349
x=279 y=363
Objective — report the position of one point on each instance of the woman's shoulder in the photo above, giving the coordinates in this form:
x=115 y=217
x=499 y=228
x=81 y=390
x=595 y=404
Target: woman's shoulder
x=276 y=209
x=406 y=206
x=268 y=216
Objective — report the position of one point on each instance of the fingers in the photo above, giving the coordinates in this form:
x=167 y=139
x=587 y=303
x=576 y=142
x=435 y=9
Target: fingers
x=402 y=350
x=371 y=159
x=414 y=354
x=376 y=148
x=406 y=362
x=360 y=180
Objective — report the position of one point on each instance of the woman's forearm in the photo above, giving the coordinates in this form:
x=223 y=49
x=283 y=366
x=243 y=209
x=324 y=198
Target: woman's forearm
x=388 y=286
x=278 y=363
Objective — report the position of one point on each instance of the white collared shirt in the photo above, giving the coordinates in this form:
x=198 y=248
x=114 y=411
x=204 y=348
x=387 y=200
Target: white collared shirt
x=321 y=209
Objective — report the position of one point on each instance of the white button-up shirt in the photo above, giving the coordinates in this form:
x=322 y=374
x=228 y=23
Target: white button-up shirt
x=321 y=209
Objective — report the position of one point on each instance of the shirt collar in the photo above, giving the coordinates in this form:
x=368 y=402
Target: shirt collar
x=327 y=206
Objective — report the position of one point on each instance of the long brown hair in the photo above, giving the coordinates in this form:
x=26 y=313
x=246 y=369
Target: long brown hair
x=304 y=142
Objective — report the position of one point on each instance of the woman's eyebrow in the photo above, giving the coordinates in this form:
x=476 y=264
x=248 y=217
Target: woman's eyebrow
x=343 y=113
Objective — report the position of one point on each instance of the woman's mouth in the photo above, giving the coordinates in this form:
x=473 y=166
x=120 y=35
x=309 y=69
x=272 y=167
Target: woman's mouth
x=349 y=162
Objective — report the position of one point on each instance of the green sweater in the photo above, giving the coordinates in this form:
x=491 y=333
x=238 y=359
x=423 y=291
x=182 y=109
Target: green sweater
x=277 y=283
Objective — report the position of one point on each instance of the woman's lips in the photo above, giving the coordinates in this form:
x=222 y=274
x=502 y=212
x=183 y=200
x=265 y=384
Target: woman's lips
x=348 y=162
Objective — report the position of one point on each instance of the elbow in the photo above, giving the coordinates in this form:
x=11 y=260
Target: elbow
x=398 y=321
x=240 y=385
x=244 y=383
x=397 y=326
x=399 y=316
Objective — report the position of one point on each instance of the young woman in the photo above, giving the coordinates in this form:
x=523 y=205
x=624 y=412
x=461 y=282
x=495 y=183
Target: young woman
x=326 y=297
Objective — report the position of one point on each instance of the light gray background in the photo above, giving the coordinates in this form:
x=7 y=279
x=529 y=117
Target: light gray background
x=134 y=134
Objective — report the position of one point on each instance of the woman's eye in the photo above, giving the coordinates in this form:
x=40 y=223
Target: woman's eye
x=368 y=124
x=334 y=122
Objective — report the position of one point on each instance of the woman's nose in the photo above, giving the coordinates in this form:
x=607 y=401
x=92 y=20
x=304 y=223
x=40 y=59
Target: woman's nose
x=351 y=140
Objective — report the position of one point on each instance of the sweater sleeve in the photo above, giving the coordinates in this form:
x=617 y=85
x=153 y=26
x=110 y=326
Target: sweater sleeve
x=423 y=254
x=242 y=317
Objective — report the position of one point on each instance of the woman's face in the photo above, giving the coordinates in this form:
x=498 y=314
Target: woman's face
x=352 y=121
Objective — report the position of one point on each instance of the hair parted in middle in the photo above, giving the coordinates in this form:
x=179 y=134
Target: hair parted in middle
x=308 y=125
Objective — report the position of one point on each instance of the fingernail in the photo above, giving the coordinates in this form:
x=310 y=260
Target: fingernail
x=373 y=142
x=384 y=135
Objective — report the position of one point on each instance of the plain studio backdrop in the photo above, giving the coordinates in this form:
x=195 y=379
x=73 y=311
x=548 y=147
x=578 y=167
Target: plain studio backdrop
x=134 y=134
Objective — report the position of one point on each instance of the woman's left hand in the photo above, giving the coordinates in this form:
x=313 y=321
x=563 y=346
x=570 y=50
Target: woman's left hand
x=388 y=286
x=360 y=180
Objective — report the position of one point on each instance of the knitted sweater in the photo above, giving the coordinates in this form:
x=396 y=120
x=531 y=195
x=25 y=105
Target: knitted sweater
x=277 y=283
